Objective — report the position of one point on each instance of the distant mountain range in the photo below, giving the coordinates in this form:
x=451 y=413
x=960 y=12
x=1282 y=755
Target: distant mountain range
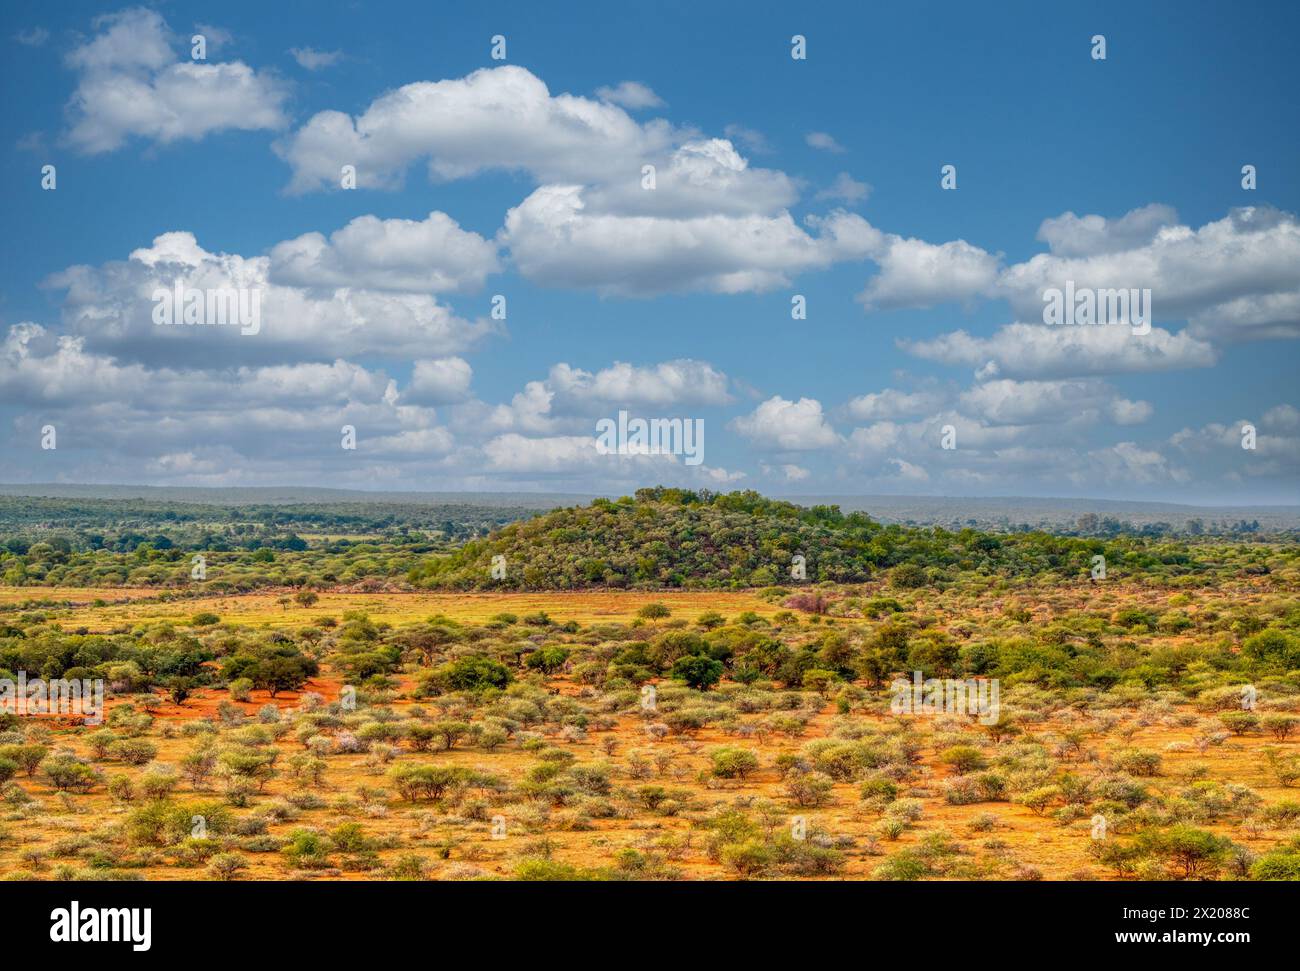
x=1002 y=512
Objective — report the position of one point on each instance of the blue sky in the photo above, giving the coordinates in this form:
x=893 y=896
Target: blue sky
x=775 y=177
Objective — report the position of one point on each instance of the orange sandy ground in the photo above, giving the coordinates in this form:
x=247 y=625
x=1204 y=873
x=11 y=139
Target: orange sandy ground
x=1059 y=852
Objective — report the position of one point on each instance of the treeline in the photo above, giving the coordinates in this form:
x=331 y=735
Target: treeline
x=122 y=525
x=660 y=538
x=80 y=542
x=1091 y=524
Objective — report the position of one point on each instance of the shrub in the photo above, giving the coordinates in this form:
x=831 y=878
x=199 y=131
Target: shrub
x=1239 y=722
x=1137 y=762
x=548 y=660
x=809 y=789
x=747 y=859
x=1194 y=852
x=67 y=774
x=733 y=763
x=905 y=865
x=1280 y=727
x=133 y=751
x=28 y=757
x=416 y=782
x=963 y=759
x=467 y=674
x=1276 y=866
x=158 y=783
x=224 y=866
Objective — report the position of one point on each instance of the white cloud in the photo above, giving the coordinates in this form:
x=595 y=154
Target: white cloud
x=630 y=94
x=112 y=307
x=824 y=142
x=570 y=397
x=787 y=426
x=440 y=381
x=1125 y=412
x=665 y=385
x=433 y=255
x=710 y=222
x=501 y=118
x=914 y=273
x=556 y=241
x=1069 y=235
x=132 y=85
x=1282 y=417
x=1040 y=351
x=314 y=60
x=1215 y=449
x=908 y=472
x=183 y=423
x=892 y=403
x=1127 y=463
x=1237 y=278
x=1010 y=402
x=559 y=453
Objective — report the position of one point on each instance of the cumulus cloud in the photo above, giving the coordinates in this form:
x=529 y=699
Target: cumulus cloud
x=556 y=241
x=439 y=381
x=131 y=84
x=914 y=273
x=787 y=426
x=1215 y=449
x=112 y=307
x=568 y=398
x=193 y=425
x=1126 y=463
x=1283 y=418
x=665 y=385
x=892 y=403
x=500 y=118
x=433 y=255
x=1233 y=279
x=282 y=422
x=907 y=471
x=1033 y=402
x=706 y=219
x=1037 y=350
x=566 y=454
x=1237 y=278
x=1069 y=235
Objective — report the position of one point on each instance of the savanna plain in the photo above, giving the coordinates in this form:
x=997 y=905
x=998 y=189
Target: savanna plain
x=671 y=686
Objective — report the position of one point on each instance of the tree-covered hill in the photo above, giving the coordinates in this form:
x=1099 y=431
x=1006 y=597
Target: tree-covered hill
x=682 y=539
